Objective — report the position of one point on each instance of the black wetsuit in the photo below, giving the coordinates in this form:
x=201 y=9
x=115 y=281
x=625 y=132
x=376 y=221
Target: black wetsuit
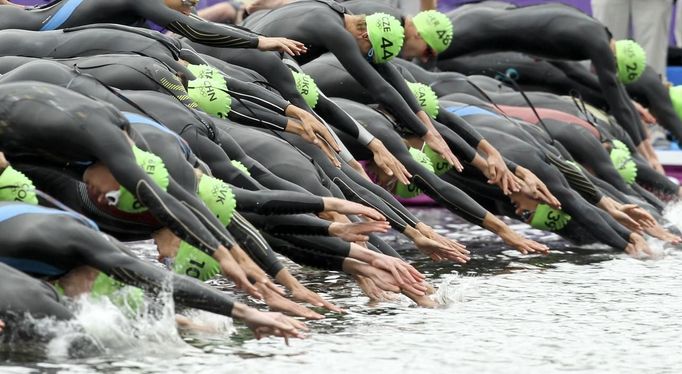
x=449 y=196
x=565 y=78
x=67 y=241
x=49 y=126
x=590 y=218
x=92 y=40
x=320 y=25
x=20 y=294
x=62 y=14
x=552 y=31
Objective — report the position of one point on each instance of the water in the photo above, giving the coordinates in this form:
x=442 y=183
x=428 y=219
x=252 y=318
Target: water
x=577 y=310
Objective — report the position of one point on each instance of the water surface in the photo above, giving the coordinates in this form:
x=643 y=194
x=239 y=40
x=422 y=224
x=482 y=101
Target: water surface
x=577 y=310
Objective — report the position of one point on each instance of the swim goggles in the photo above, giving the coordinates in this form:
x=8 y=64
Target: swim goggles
x=370 y=55
x=189 y=3
x=113 y=197
x=526 y=215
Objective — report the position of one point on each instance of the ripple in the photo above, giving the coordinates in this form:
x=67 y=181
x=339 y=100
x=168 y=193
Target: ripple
x=578 y=309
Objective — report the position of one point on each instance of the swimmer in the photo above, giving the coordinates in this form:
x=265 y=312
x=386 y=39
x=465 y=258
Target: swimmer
x=356 y=40
x=76 y=262
x=100 y=154
x=483 y=29
x=174 y=15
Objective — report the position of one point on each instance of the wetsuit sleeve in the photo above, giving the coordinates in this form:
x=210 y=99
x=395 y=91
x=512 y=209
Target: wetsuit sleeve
x=299 y=224
x=193 y=27
x=277 y=202
x=448 y=195
x=460 y=127
x=576 y=179
x=219 y=163
x=255 y=245
x=389 y=72
x=165 y=208
x=113 y=259
x=458 y=146
x=259 y=172
x=346 y=50
x=334 y=115
x=306 y=256
x=203 y=214
x=256 y=116
x=256 y=94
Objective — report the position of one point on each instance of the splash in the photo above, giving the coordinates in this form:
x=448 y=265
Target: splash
x=454 y=289
x=101 y=328
x=673 y=213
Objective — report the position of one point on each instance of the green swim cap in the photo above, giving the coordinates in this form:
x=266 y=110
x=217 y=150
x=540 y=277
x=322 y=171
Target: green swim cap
x=194 y=263
x=630 y=59
x=549 y=219
x=15 y=186
x=435 y=28
x=427 y=99
x=155 y=168
x=240 y=166
x=306 y=86
x=622 y=161
x=412 y=190
x=203 y=72
x=676 y=98
x=211 y=96
x=218 y=197
x=122 y=295
x=386 y=36
x=440 y=165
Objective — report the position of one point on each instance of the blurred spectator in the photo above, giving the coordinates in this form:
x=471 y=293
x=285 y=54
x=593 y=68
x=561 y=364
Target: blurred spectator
x=650 y=25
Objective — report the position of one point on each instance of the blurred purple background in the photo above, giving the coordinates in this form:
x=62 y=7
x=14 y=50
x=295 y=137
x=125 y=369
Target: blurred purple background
x=443 y=5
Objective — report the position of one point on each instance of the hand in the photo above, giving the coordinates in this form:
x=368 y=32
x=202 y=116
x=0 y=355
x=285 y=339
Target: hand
x=638 y=247
x=381 y=278
x=2 y=325
x=297 y=128
x=659 y=232
x=357 y=232
x=403 y=272
x=644 y=114
x=436 y=142
x=388 y=163
x=264 y=324
x=278 y=303
x=499 y=174
x=625 y=220
x=536 y=189
x=523 y=245
x=421 y=300
x=231 y=269
x=349 y=207
x=312 y=126
x=252 y=270
x=640 y=215
x=302 y=294
x=371 y=290
x=291 y=47
x=359 y=169
x=430 y=233
x=439 y=251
